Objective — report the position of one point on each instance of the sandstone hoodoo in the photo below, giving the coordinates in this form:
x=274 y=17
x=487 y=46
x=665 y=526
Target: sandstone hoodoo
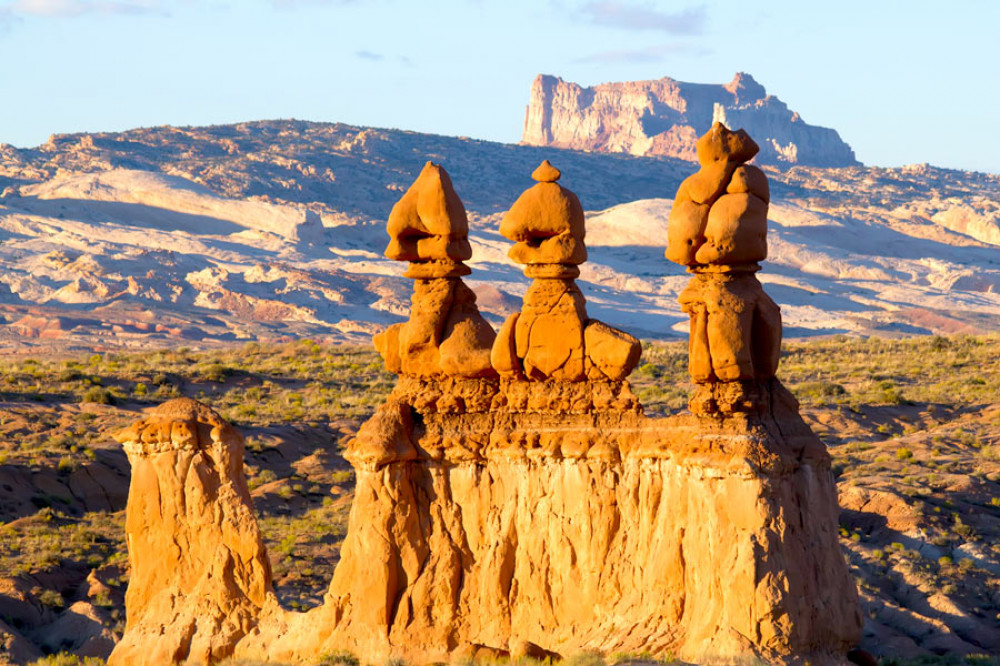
x=551 y=337
x=533 y=509
x=199 y=571
x=665 y=117
x=718 y=229
x=445 y=334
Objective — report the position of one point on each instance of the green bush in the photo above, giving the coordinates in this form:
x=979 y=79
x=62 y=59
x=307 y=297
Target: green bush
x=99 y=395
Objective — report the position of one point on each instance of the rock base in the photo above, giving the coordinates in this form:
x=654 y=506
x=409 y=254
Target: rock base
x=510 y=518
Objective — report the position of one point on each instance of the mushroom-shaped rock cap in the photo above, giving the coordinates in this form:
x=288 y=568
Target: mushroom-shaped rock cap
x=547 y=222
x=429 y=222
x=719 y=144
x=176 y=424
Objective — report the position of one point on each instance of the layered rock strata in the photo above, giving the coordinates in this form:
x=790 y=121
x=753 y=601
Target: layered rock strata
x=718 y=229
x=199 y=572
x=532 y=518
x=666 y=117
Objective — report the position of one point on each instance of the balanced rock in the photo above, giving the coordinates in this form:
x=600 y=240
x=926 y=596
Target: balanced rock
x=199 y=571
x=445 y=335
x=718 y=229
x=546 y=222
x=552 y=338
x=429 y=223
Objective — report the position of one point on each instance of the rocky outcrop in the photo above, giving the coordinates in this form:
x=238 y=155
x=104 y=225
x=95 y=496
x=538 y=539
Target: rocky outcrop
x=665 y=117
x=533 y=511
x=199 y=572
x=552 y=337
x=521 y=517
x=445 y=334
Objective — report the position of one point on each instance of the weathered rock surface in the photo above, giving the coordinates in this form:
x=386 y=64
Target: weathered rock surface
x=552 y=337
x=860 y=250
x=718 y=229
x=665 y=117
x=445 y=335
x=490 y=516
x=535 y=514
x=199 y=572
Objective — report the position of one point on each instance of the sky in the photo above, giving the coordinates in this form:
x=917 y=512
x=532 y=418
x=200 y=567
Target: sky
x=903 y=82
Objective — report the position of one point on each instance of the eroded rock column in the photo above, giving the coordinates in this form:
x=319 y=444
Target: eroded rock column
x=199 y=571
x=718 y=229
x=552 y=338
x=445 y=335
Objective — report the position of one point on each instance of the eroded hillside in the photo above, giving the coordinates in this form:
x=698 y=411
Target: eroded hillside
x=203 y=236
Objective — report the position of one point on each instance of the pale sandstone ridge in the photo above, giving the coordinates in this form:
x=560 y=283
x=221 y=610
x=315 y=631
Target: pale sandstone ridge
x=665 y=117
x=199 y=571
x=537 y=511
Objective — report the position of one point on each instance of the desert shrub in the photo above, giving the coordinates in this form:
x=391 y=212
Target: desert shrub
x=215 y=372
x=52 y=599
x=903 y=453
x=66 y=465
x=820 y=391
x=97 y=394
x=67 y=659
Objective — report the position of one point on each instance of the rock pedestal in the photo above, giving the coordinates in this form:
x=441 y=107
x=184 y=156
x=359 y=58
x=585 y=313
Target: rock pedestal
x=536 y=518
x=199 y=572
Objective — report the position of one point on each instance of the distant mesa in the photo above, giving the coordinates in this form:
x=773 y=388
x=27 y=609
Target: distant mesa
x=665 y=117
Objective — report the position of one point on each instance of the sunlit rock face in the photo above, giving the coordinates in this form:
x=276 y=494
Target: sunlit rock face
x=666 y=117
x=529 y=508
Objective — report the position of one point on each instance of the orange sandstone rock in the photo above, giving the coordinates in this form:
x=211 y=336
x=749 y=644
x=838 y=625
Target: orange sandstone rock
x=519 y=517
x=445 y=335
x=546 y=222
x=199 y=571
x=720 y=154
x=546 y=341
x=429 y=223
x=718 y=228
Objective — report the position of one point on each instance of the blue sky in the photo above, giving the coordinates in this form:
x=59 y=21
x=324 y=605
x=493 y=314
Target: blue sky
x=902 y=82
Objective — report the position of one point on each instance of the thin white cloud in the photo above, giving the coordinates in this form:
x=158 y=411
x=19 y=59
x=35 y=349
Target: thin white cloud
x=656 y=53
x=629 y=16
x=74 y=8
x=369 y=55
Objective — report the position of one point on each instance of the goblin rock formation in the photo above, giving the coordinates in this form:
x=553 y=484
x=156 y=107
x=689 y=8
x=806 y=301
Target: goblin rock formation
x=718 y=229
x=199 y=572
x=445 y=335
x=551 y=337
x=534 y=512
x=665 y=117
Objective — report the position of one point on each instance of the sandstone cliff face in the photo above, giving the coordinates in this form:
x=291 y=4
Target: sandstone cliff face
x=666 y=117
x=515 y=517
